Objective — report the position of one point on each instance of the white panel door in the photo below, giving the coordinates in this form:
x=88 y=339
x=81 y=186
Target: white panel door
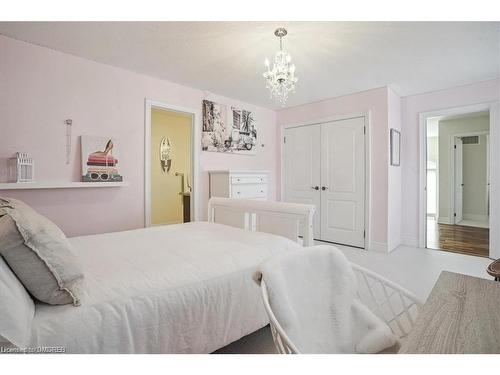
x=459 y=185
x=343 y=182
x=302 y=169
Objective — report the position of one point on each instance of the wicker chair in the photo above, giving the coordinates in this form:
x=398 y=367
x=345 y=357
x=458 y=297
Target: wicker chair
x=396 y=306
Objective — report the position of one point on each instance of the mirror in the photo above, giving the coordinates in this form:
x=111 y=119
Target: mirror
x=165 y=149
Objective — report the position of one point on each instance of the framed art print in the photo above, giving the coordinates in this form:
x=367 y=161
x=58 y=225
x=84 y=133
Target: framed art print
x=100 y=157
x=229 y=130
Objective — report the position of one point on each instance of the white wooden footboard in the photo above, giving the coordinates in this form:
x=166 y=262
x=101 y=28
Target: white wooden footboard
x=284 y=219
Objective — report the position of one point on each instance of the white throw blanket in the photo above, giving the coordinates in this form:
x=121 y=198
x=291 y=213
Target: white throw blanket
x=313 y=294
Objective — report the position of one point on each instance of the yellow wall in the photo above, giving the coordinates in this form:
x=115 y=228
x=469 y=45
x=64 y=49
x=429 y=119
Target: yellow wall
x=166 y=203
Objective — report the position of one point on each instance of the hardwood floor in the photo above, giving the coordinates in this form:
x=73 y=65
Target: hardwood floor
x=458 y=238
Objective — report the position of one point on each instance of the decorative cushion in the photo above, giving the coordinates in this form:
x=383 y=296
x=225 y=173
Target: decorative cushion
x=39 y=254
x=16 y=310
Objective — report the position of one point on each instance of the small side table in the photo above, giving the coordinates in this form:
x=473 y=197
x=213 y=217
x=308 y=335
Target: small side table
x=494 y=269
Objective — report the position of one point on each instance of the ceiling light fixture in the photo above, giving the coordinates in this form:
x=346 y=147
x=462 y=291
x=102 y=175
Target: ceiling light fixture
x=280 y=80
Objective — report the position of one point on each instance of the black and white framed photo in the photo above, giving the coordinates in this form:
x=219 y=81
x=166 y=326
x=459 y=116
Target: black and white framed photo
x=230 y=130
x=395 y=147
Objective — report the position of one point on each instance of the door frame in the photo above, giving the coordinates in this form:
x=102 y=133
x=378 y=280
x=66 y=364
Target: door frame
x=493 y=108
x=452 y=167
x=368 y=146
x=149 y=106
x=453 y=177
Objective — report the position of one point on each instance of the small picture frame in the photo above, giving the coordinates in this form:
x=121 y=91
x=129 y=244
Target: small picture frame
x=395 y=147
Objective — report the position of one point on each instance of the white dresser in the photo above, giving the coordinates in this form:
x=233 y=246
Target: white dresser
x=247 y=184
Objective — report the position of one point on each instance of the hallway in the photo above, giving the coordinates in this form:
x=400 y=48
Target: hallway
x=461 y=239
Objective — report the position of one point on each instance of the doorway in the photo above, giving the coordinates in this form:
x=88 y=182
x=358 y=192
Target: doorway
x=169 y=166
x=324 y=165
x=458 y=183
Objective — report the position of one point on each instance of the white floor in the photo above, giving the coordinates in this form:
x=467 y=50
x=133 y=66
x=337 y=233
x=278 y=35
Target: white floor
x=415 y=269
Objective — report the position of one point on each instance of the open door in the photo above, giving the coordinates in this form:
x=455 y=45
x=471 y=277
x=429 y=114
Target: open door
x=170 y=166
x=459 y=185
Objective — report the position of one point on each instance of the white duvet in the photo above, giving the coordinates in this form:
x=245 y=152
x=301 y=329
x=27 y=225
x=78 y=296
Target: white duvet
x=183 y=288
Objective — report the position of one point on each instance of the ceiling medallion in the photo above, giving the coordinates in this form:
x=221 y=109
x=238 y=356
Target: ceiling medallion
x=280 y=80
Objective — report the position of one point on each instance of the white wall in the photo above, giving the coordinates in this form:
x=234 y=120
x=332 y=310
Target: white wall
x=475 y=197
x=394 y=176
x=432 y=150
x=432 y=175
x=411 y=107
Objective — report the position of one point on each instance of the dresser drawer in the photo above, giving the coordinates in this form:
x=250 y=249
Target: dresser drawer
x=248 y=179
x=249 y=184
x=249 y=191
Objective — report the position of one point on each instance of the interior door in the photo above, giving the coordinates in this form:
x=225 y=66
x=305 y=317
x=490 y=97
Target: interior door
x=302 y=169
x=343 y=182
x=459 y=185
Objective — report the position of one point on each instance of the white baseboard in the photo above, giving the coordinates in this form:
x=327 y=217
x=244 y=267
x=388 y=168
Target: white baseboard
x=378 y=246
x=409 y=241
x=445 y=220
x=168 y=223
x=476 y=217
x=394 y=245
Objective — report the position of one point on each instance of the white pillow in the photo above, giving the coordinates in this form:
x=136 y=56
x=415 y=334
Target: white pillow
x=16 y=309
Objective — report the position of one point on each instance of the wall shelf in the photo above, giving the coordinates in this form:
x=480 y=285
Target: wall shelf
x=58 y=185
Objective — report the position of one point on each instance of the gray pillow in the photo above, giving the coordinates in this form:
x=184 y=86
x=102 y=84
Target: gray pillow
x=39 y=254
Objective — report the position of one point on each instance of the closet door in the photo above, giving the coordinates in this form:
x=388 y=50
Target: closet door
x=302 y=169
x=343 y=182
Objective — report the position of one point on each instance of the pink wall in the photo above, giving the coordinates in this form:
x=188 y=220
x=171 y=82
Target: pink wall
x=394 y=176
x=40 y=88
x=411 y=107
x=375 y=102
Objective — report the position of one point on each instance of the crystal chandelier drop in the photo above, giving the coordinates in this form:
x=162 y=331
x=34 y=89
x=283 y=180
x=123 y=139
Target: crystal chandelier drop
x=280 y=80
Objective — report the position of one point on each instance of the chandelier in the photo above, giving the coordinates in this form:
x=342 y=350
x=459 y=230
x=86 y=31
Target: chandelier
x=280 y=80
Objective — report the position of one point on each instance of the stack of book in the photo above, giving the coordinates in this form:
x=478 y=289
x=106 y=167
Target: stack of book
x=102 y=168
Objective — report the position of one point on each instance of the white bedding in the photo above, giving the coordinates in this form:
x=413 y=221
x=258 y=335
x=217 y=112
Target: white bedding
x=183 y=288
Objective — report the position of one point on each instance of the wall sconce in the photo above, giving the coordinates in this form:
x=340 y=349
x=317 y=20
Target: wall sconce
x=69 y=124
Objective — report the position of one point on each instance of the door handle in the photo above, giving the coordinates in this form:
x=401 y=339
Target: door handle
x=324 y=188
x=315 y=187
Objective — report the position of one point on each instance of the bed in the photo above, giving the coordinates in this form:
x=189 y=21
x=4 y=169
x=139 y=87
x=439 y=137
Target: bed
x=183 y=288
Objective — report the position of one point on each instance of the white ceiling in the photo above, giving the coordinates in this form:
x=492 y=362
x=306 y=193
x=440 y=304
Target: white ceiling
x=332 y=58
